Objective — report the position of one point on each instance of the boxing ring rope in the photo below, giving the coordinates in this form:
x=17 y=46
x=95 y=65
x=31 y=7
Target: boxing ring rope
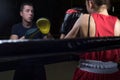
x=51 y=51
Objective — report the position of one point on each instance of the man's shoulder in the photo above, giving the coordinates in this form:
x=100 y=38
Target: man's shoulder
x=34 y=25
x=17 y=25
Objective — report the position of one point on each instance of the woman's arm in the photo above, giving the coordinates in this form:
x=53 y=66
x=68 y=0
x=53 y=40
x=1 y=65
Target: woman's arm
x=117 y=28
x=74 y=31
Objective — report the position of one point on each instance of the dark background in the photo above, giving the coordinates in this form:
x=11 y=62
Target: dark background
x=54 y=10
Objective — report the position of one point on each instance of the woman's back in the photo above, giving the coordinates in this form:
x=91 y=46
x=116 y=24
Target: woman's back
x=110 y=23
x=100 y=26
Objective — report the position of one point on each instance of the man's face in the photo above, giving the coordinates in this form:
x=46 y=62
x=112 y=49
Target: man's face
x=27 y=13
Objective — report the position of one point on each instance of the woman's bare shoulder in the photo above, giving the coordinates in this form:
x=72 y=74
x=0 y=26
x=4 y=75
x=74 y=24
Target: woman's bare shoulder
x=84 y=17
x=117 y=28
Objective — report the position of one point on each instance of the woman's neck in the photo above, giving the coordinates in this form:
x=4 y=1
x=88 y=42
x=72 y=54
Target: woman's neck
x=103 y=10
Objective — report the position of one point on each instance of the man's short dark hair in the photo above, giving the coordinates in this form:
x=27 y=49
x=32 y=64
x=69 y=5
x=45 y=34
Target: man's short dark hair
x=25 y=3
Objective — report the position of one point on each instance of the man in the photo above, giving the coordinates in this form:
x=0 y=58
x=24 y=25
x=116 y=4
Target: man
x=19 y=31
x=27 y=69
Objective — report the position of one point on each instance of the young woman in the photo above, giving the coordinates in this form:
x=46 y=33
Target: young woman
x=100 y=65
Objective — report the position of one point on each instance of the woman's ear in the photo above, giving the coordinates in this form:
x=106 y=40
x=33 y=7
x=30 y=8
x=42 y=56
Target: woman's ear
x=90 y=4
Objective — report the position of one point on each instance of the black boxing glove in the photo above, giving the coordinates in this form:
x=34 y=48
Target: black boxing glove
x=70 y=18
